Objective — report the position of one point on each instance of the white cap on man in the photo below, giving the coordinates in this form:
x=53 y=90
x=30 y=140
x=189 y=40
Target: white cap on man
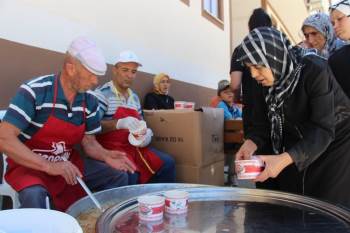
x=86 y=51
x=128 y=56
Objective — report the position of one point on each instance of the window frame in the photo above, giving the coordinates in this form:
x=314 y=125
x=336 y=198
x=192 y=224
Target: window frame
x=218 y=21
x=187 y=2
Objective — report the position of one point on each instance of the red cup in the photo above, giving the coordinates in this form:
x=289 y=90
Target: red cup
x=151 y=207
x=179 y=104
x=189 y=105
x=249 y=169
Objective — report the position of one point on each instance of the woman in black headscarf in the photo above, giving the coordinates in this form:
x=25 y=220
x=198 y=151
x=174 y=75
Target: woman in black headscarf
x=304 y=115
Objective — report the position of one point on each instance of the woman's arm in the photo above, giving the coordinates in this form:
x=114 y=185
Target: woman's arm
x=319 y=130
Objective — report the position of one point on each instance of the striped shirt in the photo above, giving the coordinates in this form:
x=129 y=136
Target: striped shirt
x=32 y=105
x=110 y=99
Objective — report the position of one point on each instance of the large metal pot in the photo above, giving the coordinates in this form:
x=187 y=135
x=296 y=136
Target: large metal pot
x=236 y=210
x=116 y=195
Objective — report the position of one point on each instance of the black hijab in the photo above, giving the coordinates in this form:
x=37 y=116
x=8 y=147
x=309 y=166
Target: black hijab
x=270 y=48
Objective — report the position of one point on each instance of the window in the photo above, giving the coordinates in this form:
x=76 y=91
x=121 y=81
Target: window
x=187 y=2
x=213 y=11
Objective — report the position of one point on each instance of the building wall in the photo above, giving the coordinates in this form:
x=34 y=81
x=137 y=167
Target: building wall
x=280 y=10
x=289 y=15
x=168 y=36
x=240 y=13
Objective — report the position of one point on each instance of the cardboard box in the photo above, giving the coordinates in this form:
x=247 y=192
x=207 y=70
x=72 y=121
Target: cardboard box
x=212 y=174
x=192 y=137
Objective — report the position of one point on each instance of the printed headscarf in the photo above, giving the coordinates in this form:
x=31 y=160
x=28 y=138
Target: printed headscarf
x=322 y=23
x=156 y=81
x=270 y=48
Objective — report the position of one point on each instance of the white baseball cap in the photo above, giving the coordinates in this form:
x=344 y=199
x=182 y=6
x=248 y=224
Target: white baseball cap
x=128 y=56
x=86 y=51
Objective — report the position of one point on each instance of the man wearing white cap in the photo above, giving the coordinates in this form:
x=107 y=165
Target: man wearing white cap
x=47 y=117
x=123 y=128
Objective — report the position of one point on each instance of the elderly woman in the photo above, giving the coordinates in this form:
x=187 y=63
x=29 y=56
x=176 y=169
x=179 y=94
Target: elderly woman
x=159 y=98
x=339 y=61
x=302 y=113
x=319 y=34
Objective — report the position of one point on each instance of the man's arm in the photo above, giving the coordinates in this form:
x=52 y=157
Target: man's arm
x=108 y=125
x=21 y=154
x=116 y=159
x=236 y=79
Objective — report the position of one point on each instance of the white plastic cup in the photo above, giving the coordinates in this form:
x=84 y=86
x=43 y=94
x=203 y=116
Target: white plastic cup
x=179 y=104
x=189 y=105
x=249 y=169
x=151 y=207
x=176 y=201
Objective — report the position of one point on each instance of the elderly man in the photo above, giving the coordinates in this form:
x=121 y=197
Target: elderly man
x=46 y=118
x=121 y=114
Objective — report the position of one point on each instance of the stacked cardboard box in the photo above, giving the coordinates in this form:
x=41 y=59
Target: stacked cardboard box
x=194 y=139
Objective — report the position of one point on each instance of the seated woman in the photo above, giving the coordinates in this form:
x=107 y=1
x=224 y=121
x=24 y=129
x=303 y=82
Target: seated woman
x=319 y=34
x=301 y=111
x=159 y=98
x=225 y=93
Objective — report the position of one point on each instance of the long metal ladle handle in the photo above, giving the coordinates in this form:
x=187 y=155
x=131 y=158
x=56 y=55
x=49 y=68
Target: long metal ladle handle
x=87 y=190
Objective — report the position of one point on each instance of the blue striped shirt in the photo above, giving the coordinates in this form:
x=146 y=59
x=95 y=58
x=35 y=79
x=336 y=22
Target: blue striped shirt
x=110 y=99
x=32 y=105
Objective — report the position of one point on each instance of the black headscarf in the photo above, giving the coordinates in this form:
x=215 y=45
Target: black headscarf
x=270 y=48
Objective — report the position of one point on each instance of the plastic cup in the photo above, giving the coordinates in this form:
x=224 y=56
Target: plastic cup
x=151 y=207
x=189 y=105
x=176 y=201
x=179 y=104
x=249 y=169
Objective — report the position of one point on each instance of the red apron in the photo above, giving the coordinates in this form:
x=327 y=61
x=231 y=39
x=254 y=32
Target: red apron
x=53 y=141
x=147 y=163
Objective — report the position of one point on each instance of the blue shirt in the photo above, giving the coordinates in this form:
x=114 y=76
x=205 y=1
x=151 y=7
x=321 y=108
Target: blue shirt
x=110 y=100
x=32 y=105
x=230 y=112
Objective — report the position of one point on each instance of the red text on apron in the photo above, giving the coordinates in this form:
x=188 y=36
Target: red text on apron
x=54 y=140
x=147 y=162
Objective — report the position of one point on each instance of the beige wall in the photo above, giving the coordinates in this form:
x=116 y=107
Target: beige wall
x=240 y=13
x=280 y=10
x=291 y=14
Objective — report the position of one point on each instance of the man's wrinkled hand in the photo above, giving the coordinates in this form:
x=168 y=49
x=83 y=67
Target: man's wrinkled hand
x=66 y=169
x=118 y=160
